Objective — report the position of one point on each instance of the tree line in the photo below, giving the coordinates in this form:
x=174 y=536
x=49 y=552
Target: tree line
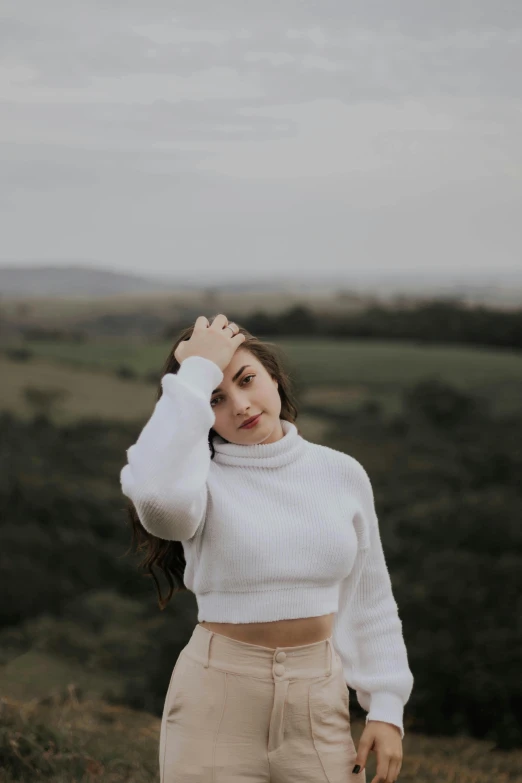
x=432 y=321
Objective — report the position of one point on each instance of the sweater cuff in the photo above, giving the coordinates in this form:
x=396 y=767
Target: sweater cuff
x=199 y=374
x=387 y=707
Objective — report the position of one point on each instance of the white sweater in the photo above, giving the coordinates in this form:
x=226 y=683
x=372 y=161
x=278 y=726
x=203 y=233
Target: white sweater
x=271 y=531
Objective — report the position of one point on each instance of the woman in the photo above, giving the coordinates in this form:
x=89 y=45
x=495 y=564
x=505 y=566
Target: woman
x=281 y=547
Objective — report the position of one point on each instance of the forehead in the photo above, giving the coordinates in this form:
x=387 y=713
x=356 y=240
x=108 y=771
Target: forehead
x=241 y=357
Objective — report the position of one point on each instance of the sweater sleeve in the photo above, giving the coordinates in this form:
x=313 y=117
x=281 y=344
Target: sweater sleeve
x=368 y=630
x=167 y=468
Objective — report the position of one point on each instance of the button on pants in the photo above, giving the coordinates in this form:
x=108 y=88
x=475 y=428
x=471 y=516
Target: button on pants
x=238 y=712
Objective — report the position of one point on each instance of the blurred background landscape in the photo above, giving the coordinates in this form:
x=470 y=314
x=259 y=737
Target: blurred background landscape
x=341 y=179
x=425 y=391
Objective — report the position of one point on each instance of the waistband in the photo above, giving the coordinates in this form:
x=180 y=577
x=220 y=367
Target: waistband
x=299 y=600
x=209 y=648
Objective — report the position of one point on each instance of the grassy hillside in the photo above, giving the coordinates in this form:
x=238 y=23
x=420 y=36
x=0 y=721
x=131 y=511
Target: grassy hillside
x=320 y=361
x=68 y=738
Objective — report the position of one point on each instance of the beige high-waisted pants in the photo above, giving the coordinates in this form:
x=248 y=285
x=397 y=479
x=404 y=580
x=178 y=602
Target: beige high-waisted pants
x=238 y=712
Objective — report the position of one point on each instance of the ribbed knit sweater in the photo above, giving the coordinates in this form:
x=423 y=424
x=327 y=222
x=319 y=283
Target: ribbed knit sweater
x=271 y=531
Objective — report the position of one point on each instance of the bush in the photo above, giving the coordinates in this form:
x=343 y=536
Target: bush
x=19 y=354
x=126 y=372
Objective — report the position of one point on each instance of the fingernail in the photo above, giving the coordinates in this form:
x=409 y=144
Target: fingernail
x=357 y=768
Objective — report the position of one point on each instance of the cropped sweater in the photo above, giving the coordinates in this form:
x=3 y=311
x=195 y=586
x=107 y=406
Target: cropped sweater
x=271 y=531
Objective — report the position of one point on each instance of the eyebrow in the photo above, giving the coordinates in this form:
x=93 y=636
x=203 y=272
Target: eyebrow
x=236 y=376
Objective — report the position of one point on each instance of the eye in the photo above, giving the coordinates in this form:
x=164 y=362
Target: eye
x=242 y=382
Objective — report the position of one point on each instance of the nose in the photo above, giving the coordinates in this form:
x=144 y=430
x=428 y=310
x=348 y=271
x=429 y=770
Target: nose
x=241 y=408
x=239 y=402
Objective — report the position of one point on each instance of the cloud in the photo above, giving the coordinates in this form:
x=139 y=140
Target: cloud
x=248 y=137
x=305 y=51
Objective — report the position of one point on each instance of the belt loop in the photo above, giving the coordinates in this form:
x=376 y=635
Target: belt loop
x=207 y=651
x=329 y=671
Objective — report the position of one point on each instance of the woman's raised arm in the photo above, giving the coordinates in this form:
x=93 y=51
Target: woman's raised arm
x=167 y=468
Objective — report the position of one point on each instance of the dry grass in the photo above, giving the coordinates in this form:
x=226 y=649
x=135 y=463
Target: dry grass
x=88 y=393
x=67 y=739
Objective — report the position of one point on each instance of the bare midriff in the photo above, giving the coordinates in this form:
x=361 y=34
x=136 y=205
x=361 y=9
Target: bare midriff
x=280 y=633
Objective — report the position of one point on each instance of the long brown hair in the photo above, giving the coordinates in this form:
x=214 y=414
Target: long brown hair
x=169 y=555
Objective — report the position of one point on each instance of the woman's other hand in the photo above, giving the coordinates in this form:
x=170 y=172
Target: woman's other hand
x=386 y=741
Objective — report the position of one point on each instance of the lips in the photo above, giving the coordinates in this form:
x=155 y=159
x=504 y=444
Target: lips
x=249 y=421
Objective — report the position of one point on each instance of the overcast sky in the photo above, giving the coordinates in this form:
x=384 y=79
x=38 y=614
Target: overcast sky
x=253 y=138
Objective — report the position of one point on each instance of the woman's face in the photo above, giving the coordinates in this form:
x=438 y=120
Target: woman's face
x=239 y=398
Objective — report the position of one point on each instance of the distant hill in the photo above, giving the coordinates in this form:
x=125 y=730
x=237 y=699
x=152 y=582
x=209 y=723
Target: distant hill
x=493 y=287
x=74 y=280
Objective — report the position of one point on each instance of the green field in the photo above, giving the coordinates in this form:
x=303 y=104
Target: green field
x=103 y=353
x=372 y=366
x=331 y=376
x=320 y=361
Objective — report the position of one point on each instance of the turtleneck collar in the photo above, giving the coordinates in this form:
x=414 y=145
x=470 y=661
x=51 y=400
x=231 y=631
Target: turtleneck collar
x=262 y=455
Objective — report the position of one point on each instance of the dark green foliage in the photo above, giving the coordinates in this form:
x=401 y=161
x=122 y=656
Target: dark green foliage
x=446 y=480
x=63 y=526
